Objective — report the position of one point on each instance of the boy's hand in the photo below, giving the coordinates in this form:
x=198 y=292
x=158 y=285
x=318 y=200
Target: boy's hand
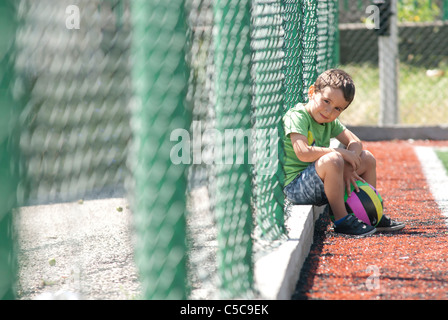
x=350 y=157
x=350 y=177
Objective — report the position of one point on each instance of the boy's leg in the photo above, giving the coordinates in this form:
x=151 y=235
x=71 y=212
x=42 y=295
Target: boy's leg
x=367 y=169
x=330 y=169
x=322 y=183
x=307 y=188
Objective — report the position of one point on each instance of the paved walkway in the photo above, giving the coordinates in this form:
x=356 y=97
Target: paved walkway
x=409 y=264
x=77 y=250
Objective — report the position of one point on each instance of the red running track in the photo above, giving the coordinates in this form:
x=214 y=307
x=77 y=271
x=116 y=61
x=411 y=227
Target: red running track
x=408 y=264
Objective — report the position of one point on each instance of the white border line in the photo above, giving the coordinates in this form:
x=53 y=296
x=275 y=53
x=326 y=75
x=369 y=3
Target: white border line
x=436 y=176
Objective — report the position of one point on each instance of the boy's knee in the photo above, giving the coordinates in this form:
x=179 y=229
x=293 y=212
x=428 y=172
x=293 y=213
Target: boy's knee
x=368 y=158
x=332 y=159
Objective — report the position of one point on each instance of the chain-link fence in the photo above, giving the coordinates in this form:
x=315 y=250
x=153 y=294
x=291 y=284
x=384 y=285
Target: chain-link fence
x=180 y=103
x=75 y=130
x=416 y=65
x=9 y=156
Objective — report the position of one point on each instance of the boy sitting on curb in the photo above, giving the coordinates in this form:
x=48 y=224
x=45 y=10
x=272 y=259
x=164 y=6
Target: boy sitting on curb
x=317 y=174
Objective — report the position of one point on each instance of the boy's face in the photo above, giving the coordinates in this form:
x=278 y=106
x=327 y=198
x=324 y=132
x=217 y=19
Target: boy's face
x=325 y=106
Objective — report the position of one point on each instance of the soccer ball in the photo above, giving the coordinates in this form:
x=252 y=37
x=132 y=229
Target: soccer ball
x=366 y=205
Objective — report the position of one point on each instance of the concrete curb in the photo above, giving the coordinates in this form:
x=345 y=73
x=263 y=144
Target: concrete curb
x=400 y=132
x=277 y=273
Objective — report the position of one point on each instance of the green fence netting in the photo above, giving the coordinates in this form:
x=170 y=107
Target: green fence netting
x=267 y=60
x=175 y=105
x=76 y=122
x=233 y=180
x=9 y=151
x=160 y=82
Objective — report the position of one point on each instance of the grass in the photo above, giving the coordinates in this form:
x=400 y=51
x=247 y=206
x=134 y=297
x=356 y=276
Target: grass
x=443 y=156
x=423 y=100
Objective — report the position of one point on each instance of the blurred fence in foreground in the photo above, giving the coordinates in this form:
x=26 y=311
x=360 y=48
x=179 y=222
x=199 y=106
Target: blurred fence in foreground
x=180 y=103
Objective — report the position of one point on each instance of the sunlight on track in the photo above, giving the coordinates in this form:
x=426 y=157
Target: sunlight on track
x=436 y=176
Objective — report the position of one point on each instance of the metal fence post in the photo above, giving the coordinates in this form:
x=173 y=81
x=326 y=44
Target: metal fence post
x=388 y=62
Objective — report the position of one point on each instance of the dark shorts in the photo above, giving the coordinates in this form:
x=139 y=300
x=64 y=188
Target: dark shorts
x=307 y=188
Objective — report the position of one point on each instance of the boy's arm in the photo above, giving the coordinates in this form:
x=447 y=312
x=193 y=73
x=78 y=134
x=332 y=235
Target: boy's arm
x=307 y=153
x=354 y=145
x=351 y=141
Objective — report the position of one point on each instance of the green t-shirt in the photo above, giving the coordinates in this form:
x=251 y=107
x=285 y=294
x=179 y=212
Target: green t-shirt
x=298 y=120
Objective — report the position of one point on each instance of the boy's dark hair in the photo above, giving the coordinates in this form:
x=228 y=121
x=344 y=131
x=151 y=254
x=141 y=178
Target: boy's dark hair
x=336 y=79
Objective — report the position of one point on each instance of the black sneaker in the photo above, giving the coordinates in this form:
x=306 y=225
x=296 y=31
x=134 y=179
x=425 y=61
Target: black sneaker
x=354 y=227
x=387 y=224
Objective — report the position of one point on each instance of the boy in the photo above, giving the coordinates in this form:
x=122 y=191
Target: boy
x=317 y=174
